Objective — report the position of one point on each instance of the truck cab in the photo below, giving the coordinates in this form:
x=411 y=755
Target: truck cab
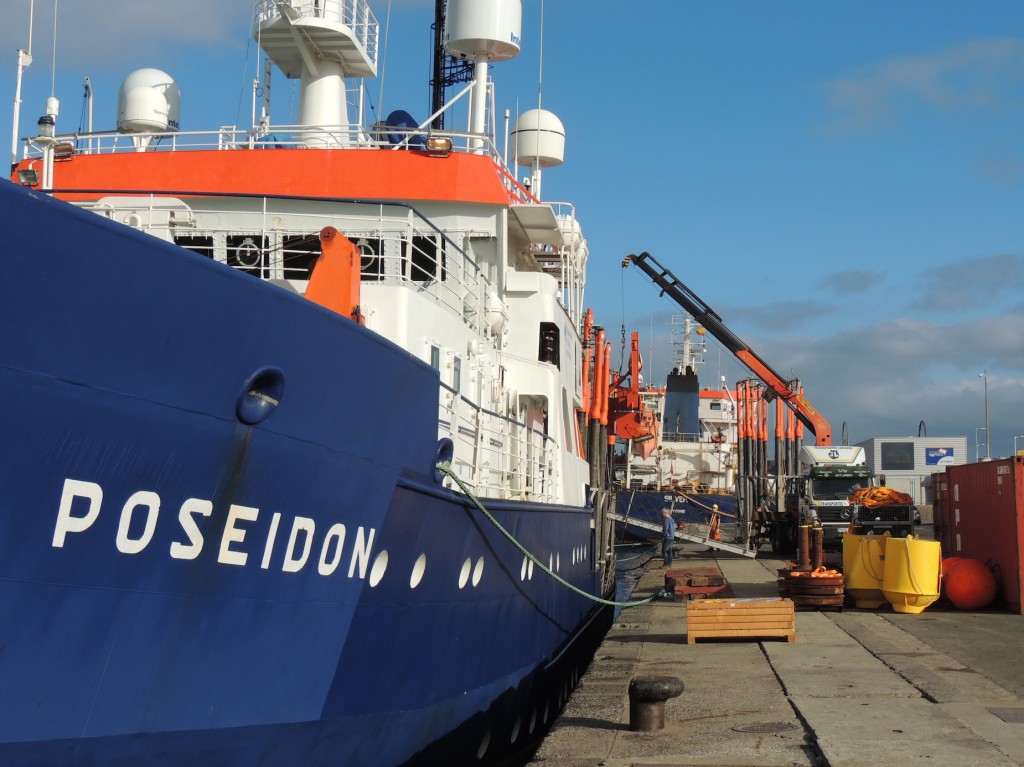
x=822 y=494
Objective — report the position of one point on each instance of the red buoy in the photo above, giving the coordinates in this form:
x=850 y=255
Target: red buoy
x=948 y=562
x=969 y=584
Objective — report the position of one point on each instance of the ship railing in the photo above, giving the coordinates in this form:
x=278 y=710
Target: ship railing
x=231 y=137
x=495 y=455
x=286 y=136
x=277 y=239
x=354 y=14
x=681 y=436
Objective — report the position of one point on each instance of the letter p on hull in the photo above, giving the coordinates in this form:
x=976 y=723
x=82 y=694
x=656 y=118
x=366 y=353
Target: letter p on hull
x=66 y=522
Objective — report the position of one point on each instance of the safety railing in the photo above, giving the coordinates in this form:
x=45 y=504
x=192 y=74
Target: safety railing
x=354 y=14
x=498 y=456
x=278 y=239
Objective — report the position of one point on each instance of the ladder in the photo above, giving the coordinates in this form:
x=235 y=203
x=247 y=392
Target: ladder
x=734 y=548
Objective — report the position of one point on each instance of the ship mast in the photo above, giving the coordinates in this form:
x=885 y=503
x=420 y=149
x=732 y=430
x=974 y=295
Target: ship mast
x=320 y=44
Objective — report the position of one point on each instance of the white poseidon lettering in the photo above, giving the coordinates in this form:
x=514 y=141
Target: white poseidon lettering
x=268 y=550
x=293 y=564
x=144 y=498
x=233 y=534
x=336 y=533
x=361 y=553
x=74 y=488
x=188 y=525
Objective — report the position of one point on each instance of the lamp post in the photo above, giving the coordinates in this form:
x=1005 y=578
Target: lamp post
x=977 y=442
x=988 y=441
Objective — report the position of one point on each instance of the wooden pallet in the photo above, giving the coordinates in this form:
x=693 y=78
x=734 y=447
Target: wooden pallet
x=696 y=583
x=740 y=619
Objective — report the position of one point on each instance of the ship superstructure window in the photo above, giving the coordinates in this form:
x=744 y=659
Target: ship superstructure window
x=457 y=374
x=247 y=252
x=423 y=260
x=715 y=405
x=202 y=245
x=299 y=254
x=435 y=357
x=372 y=261
x=549 y=343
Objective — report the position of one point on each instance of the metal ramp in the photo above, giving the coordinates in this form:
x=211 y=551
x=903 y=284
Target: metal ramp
x=734 y=548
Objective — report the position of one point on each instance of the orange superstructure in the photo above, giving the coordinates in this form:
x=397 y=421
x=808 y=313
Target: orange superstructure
x=372 y=174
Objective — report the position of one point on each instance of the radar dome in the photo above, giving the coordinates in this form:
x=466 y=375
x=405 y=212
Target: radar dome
x=539 y=139
x=149 y=100
x=488 y=28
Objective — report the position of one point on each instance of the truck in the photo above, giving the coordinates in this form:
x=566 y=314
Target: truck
x=826 y=493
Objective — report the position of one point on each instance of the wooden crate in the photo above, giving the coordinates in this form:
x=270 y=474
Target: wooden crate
x=740 y=619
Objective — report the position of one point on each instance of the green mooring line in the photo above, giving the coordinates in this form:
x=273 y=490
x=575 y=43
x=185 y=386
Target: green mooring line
x=445 y=467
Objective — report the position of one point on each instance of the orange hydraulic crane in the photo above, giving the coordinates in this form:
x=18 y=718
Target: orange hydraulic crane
x=789 y=391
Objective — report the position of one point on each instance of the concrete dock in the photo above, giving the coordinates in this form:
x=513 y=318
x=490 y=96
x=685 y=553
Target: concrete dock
x=856 y=688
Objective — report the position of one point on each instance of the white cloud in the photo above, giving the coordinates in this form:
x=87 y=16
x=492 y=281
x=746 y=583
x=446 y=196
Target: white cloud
x=975 y=74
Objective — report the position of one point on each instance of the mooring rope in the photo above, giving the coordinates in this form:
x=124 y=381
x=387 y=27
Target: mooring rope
x=647 y=551
x=445 y=467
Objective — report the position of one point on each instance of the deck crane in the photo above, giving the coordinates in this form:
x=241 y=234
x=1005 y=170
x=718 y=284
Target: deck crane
x=705 y=315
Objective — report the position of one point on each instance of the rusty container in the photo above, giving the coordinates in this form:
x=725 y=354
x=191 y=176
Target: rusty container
x=986 y=521
x=940 y=512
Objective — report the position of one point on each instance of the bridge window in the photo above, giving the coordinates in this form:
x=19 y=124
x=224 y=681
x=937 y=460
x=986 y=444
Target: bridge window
x=423 y=260
x=300 y=252
x=202 y=245
x=247 y=252
x=549 y=343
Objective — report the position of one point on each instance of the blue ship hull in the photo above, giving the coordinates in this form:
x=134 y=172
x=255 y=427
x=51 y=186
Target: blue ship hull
x=691 y=509
x=183 y=582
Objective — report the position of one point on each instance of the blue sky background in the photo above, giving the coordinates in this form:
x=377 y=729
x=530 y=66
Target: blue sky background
x=843 y=182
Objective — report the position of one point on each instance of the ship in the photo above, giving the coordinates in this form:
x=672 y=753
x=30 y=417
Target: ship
x=303 y=455
x=686 y=462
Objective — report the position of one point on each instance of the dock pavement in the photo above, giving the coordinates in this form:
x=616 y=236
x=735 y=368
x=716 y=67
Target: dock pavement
x=857 y=688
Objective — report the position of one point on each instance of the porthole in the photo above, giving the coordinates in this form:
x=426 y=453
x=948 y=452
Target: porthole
x=484 y=745
x=380 y=565
x=417 y=571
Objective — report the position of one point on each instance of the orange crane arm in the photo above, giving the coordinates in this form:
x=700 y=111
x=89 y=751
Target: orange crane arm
x=788 y=391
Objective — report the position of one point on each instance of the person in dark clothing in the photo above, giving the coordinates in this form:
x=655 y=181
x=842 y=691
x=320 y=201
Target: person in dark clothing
x=668 y=537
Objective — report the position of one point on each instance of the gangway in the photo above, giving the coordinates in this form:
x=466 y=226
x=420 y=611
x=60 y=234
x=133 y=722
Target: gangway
x=735 y=548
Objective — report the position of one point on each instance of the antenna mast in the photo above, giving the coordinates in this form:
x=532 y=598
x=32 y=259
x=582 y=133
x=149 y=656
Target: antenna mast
x=447 y=71
x=24 y=60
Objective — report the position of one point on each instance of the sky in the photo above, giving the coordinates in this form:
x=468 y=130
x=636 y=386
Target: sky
x=842 y=182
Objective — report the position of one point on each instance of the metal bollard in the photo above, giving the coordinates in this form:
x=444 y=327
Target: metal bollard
x=647 y=696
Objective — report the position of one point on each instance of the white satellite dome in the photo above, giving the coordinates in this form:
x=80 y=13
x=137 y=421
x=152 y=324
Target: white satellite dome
x=149 y=101
x=539 y=139
x=488 y=28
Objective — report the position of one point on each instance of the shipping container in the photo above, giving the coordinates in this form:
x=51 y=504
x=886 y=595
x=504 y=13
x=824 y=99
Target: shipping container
x=938 y=497
x=986 y=521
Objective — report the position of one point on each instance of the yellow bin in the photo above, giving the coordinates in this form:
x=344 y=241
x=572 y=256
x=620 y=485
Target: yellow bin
x=911 y=578
x=863 y=566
